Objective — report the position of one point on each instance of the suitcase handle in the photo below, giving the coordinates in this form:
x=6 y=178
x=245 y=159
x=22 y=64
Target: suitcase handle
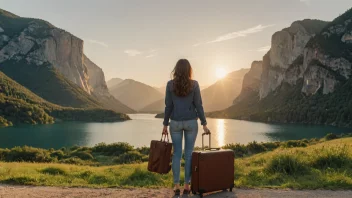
x=203 y=134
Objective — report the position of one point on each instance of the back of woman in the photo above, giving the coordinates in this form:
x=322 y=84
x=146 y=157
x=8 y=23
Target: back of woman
x=183 y=105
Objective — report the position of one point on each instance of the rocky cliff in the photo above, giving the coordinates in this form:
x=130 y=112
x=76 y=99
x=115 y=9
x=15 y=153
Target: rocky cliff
x=251 y=82
x=286 y=46
x=39 y=43
x=50 y=62
x=305 y=83
x=99 y=89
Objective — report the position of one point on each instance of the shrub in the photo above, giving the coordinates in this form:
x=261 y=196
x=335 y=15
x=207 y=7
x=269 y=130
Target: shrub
x=145 y=158
x=144 y=150
x=294 y=143
x=331 y=157
x=239 y=149
x=286 y=164
x=3 y=153
x=59 y=154
x=72 y=160
x=113 y=149
x=255 y=147
x=82 y=155
x=271 y=145
x=84 y=148
x=53 y=171
x=129 y=157
x=28 y=154
x=330 y=136
x=75 y=147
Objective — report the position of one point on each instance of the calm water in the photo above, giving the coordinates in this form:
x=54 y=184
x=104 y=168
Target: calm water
x=144 y=128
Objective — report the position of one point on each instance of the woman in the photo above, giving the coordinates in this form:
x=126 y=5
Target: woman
x=183 y=106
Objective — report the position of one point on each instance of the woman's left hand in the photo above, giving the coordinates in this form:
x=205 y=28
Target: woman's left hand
x=165 y=132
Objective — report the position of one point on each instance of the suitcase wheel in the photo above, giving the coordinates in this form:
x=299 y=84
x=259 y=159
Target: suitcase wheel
x=194 y=192
x=201 y=195
x=230 y=189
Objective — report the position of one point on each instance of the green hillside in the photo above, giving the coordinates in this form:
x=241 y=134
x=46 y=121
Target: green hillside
x=49 y=84
x=20 y=105
x=288 y=105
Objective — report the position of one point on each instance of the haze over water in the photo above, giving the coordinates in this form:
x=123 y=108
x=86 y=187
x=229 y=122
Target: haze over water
x=144 y=127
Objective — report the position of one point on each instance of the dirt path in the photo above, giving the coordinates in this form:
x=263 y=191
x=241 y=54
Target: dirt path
x=55 y=192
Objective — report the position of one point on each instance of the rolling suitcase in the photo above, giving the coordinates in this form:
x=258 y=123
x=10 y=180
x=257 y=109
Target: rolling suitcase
x=212 y=169
x=160 y=156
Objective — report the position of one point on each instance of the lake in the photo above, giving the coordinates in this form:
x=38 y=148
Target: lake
x=144 y=127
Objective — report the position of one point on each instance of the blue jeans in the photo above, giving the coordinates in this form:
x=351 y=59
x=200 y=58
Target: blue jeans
x=177 y=129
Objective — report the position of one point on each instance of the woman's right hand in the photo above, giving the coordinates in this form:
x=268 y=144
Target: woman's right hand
x=206 y=130
x=164 y=132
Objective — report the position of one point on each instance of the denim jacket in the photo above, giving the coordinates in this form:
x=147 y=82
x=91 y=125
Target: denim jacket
x=189 y=107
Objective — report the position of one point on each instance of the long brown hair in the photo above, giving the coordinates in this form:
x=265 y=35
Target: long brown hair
x=182 y=76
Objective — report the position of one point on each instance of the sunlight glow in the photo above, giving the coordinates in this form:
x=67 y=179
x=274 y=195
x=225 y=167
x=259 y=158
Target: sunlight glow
x=220 y=72
x=220 y=130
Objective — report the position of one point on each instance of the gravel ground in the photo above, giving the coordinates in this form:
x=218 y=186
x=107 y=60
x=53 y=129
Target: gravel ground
x=7 y=191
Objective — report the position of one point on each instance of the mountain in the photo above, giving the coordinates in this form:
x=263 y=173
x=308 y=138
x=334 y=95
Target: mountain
x=218 y=96
x=287 y=46
x=18 y=105
x=221 y=94
x=49 y=62
x=251 y=82
x=306 y=83
x=155 y=107
x=114 y=81
x=135 y=94
x=99 y=89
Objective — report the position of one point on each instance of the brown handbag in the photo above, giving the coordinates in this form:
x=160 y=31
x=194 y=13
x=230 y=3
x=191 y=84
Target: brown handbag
x=160 y=156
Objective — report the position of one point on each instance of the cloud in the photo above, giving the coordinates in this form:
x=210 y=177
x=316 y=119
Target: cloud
x=133 y=52
x=151 y=53
x=197 y=44
x=241 y=33
x=97 y=42
x=261 y=49
x=148 y=54
x=264 y=49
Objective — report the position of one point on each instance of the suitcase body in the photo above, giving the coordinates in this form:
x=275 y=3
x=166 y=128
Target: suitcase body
x=212 y=170
x=160 y=156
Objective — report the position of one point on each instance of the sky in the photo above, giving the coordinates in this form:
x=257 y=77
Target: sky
x=143 y=39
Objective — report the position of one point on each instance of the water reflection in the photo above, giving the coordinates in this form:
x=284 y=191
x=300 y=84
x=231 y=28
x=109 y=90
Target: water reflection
x=144 y=128
x=220 y=132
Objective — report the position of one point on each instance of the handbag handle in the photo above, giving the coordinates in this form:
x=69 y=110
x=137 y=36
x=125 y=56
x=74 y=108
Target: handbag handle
x=165 y=137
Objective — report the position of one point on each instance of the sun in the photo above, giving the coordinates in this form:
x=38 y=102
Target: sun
x=220 y=72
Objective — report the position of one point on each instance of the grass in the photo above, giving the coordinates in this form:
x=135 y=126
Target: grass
x=43 y=174
x=323 y=165
x=326 y=165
